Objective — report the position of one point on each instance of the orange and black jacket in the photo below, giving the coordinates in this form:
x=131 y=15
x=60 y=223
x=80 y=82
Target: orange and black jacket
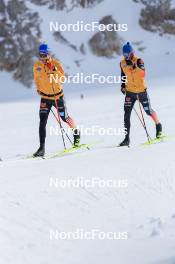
x=48 y=87
x=134 y=71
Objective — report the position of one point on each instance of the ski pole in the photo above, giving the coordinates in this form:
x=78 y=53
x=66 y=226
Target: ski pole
x=62 y=127
x=143 y=120
x=58 y=118
x=139 y=117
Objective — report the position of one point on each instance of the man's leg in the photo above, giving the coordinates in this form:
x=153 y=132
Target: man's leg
x=145 y=101
x=128 y=106
x=45 y=107
x=68 y=120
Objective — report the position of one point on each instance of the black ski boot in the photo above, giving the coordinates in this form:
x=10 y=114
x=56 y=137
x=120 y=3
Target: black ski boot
x=40 y=152
x=76 y=137
x=159 y=130
x=125 y=142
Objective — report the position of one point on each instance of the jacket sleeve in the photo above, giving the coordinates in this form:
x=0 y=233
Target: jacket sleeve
x=36 y=77
x=123 y=84
x=141 y=67
x=59 y=69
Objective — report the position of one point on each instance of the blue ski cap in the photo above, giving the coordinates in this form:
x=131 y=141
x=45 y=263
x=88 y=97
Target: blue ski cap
x=43 y=48
x=127 y=50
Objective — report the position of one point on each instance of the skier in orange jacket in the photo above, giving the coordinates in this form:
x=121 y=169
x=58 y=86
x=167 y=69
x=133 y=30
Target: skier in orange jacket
x=132 y=67
x=51 y=95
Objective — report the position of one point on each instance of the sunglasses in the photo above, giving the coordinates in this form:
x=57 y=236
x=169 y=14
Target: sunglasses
x=126 y=55
x=42 y=55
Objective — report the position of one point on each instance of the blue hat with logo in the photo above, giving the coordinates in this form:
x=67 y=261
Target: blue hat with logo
x=43 y=48
x=127 y=49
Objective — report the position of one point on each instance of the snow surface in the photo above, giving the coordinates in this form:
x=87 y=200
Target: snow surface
x=30 y=208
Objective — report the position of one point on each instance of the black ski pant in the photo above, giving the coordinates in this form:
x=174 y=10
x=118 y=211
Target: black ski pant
x=45 y=107
x=130 y=100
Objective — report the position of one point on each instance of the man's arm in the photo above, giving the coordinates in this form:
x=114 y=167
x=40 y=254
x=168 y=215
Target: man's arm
x=141 y=67
x=123 y=83
x=58 y=68
x=140 y=64
x=36 y=70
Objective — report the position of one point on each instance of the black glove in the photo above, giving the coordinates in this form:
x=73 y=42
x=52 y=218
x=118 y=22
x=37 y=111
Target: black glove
x=54 y=68
x=130 y=63
x=123 y=90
